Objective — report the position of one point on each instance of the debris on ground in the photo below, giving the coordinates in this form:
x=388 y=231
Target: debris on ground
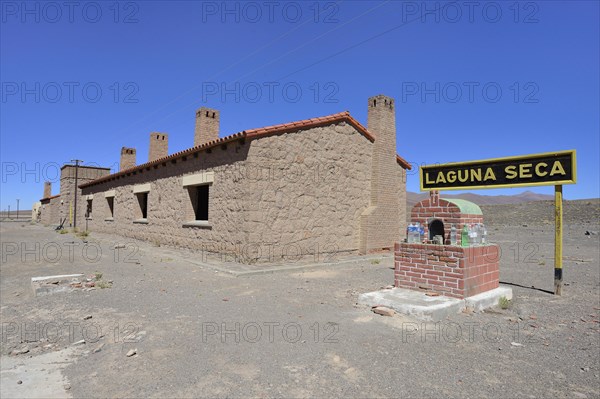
x=384 y=311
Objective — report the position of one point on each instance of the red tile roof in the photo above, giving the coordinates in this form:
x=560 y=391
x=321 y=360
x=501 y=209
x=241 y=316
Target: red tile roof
x=254 y=134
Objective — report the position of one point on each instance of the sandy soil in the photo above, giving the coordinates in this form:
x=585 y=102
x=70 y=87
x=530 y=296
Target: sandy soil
x=198 y=332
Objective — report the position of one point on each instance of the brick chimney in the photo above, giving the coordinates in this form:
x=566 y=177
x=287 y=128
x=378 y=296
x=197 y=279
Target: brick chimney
x=127 y=158
x=159 y=146
x=384 y=219
x=47 y=189
x=207 y=126
x=434 y=197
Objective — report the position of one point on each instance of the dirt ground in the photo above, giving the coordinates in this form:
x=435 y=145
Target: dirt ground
x=200 y=332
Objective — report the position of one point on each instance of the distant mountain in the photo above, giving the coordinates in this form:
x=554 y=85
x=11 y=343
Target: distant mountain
x=526 y=196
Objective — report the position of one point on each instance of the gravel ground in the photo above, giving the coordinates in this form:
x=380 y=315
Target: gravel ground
x=202 y=333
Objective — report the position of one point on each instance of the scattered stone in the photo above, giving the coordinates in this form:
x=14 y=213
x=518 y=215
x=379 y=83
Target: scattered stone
x=591 y=233
x=19 y=382
x=131 y=352
x=585 y=369
x=119 y=246
x=432 y=293
x=90 y=284
x=87 y=317
x=516 y=344
x=98 y=349
x=382 y=310
x=80 y=342
x=67 y=387
x=533 y=317
x=21 y=351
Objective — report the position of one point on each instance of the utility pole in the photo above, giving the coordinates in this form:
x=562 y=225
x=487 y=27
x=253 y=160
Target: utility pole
x=8 y=215
x=17 y=208
x=76 y=188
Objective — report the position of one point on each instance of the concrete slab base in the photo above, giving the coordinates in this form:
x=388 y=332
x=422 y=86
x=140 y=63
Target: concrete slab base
x=47 y=285
x=431 y=308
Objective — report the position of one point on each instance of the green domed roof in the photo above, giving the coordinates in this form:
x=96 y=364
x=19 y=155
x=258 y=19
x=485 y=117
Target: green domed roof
x=465 y=206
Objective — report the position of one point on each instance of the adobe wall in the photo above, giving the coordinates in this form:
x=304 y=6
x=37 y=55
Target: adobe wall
x=295 y=192
x=50 y=211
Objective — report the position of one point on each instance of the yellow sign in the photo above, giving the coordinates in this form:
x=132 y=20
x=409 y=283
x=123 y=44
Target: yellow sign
x=550 y=168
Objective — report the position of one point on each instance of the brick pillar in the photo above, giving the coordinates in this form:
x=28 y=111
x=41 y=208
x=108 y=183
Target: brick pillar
x=159 y=146
x=47 y=189
x=127 y=158
x=381 y=223
x=207 y=126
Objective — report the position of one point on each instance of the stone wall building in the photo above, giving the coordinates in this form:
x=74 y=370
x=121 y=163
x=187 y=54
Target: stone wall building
x=62 y=206
x=305 y=189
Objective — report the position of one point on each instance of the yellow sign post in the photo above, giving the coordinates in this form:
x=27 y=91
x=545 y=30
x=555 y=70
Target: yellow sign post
x=550 y=168
x=558 y=229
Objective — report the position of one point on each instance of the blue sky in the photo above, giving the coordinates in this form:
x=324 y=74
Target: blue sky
x=470 y=81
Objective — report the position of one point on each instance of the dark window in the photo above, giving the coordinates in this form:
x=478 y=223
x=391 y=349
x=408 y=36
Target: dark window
x=111 y=206
x=88 y=212
x=436 y=227
x=143 y=201
x=201 y=205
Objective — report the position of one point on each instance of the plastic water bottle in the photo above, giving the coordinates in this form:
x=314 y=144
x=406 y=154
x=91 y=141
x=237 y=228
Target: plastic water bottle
x=453 y=235
x=464 y=236
x=409 y=233
x=472 y=235
x=483 y=235
x=420 y=232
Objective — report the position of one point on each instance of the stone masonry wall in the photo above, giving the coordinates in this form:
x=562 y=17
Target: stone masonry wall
x=452 y=271
x=292 y=195
x=315 y=191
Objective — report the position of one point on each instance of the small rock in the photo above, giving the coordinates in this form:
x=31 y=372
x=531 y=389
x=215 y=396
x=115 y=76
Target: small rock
x=585 y=369
x=87 y=317
x=98 y=349
x=67 y=387
x=21 y=351
x=80 y=342
x=516 y=344
x=131 y=352
x=19 y=382
x=533 y=317
x=119 y=246
x=382 y=310
x=90 y=284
